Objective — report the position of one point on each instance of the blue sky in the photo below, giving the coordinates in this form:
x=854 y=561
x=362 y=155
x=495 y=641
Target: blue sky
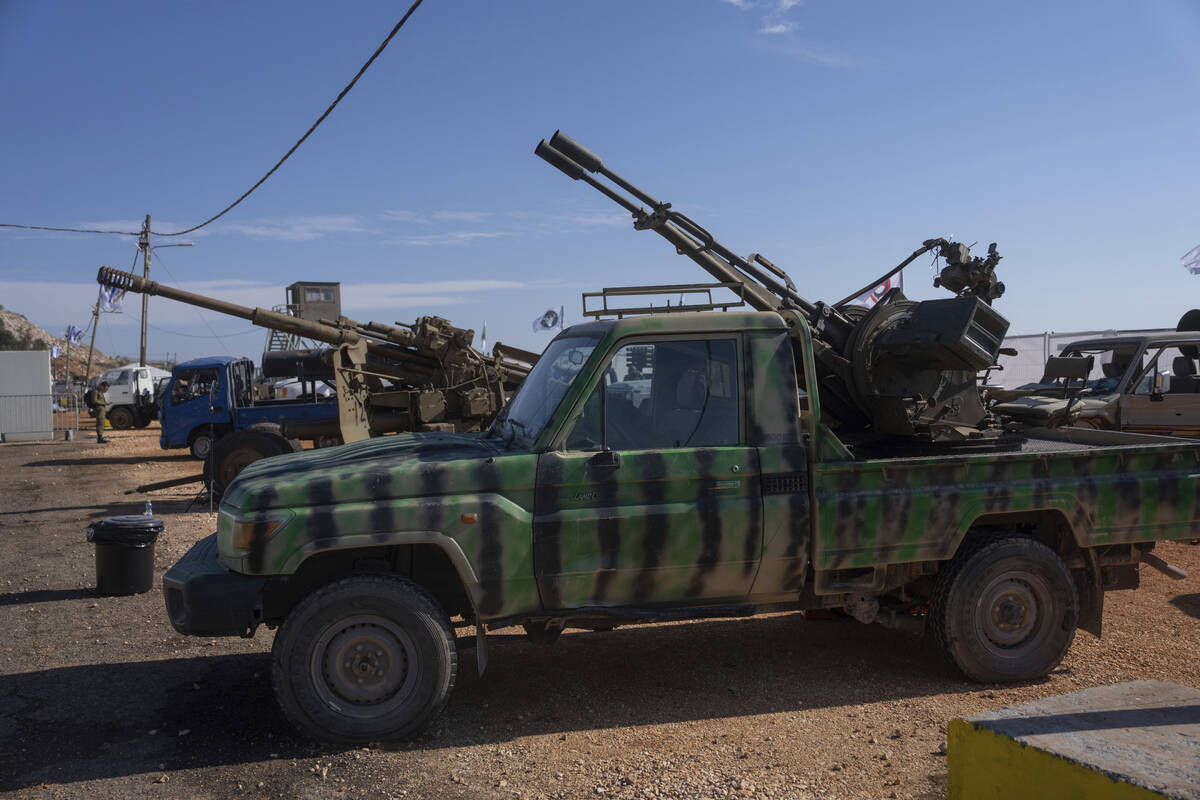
x=833 y=137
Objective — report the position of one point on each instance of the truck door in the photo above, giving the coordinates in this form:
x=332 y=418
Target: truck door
x=652 y=495
x=1165 y=398
x=187 y=403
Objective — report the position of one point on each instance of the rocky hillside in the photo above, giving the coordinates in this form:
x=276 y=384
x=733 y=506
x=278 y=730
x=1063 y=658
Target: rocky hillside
x=21 y=327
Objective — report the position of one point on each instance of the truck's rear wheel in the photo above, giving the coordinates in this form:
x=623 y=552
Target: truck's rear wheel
x=121 y=418
x=1004 y=609
x=364 y=659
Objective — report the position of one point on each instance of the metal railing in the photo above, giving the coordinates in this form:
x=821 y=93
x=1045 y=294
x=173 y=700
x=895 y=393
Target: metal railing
x=31 y=416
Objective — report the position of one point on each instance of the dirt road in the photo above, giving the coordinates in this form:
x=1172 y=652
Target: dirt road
x=100 y=698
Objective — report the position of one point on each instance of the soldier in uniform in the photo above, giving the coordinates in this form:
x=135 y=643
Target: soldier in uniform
x=99 y=402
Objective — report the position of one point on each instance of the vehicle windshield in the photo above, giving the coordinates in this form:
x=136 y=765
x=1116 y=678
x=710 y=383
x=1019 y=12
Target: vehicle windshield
x=1110 y=364
x=533 y=405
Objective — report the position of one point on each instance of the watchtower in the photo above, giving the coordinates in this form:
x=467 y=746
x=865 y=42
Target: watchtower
x=311 y=301
x=315 y=300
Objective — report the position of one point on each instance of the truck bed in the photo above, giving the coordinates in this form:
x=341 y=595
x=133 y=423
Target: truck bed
x=898 y=510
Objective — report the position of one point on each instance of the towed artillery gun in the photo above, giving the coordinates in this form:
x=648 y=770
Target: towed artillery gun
x=387 y=378
x=898 y=377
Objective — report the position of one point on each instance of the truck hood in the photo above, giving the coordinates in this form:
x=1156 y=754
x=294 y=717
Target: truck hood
x=375 y=469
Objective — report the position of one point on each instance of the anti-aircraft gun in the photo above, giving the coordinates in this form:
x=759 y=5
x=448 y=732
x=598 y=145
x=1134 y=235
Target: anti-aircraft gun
x=388 y=378
x=900 y=375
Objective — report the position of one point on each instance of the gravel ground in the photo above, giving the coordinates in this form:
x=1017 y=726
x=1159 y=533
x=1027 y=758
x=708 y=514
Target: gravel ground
x=100 y=698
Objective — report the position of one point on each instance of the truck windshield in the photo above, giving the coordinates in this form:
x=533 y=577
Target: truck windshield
x=531 y=408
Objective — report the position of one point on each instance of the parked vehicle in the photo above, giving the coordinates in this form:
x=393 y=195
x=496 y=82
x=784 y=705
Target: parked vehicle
x=1141 y=383
x=683 y=465
x=132 y=395
x=210 y=401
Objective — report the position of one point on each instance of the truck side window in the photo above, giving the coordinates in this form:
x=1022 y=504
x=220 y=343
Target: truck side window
x=1171 y=371
x=191 y=384
x=662 y=395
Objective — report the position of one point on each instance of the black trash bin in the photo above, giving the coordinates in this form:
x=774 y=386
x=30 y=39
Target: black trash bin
x=124 y=553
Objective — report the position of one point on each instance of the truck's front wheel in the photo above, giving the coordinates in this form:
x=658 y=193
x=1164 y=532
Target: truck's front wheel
x=364 y=659
x=121 y=418
x=1004 y=609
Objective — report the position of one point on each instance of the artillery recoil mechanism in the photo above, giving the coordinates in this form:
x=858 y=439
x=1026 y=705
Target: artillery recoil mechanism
x=901 y=368
x=424 y=376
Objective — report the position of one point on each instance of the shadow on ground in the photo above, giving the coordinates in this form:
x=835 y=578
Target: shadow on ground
x=131 y=504
x=1188 y=604
x=44 y=596
x=103 y=460
x=94 y=721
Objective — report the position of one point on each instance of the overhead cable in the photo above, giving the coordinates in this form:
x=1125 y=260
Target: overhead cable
x=307 y=133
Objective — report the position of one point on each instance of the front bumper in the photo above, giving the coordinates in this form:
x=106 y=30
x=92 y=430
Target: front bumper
x=205 y=599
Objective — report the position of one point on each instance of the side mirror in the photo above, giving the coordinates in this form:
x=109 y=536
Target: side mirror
x=1156 y=395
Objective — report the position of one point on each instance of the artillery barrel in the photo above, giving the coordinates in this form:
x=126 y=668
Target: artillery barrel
x=329 y=334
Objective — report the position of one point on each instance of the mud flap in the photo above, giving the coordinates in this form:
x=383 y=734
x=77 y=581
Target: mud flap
x=480 y=648
x=1091 y=595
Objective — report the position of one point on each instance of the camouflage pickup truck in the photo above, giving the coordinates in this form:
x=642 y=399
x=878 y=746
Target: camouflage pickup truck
x=660 y=468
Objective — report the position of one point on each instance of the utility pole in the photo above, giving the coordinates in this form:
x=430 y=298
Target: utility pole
x=87 y=373
x=68 y=375
x=144 y=244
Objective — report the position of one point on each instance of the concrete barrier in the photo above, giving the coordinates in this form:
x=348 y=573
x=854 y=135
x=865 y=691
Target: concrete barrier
x=1129 y=741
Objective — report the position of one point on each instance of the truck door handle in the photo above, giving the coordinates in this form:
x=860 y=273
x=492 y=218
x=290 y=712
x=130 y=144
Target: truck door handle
x=607 y=459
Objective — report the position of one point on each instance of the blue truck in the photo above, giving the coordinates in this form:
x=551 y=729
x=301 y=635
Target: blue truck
x=209 y=407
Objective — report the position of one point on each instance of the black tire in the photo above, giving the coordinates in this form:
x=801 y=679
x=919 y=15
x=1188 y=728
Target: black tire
x=384 y=630
x=143 y=421
x=1005 y=608
x=235 y=451
x=200 y=446
x=293 y=445
x=121 y=418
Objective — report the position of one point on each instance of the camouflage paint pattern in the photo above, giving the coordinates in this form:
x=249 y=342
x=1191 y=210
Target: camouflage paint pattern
x=556 y=530
x=916 y=509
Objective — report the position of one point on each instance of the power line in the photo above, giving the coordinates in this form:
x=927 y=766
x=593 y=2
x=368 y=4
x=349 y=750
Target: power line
x=201 y=335
x=307 y=133
x=68 y=230
x=270 y=172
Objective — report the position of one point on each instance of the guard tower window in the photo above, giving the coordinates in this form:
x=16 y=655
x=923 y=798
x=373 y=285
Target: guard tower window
x=314 y=294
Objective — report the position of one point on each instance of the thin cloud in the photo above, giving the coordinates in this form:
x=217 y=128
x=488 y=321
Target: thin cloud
x=298 y=229
x=452 y=238
x=460 y=216
x=778 y=27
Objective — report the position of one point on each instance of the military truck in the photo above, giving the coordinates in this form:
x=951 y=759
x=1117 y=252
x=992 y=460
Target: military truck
x=666 y=466
x=1141 y=383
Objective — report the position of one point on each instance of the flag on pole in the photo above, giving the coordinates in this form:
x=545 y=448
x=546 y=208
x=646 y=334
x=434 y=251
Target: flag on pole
x=110 y=298
x=549 y=320
x=1191 y=260
x=74 y=335
x=869 y=299
x=55 y=351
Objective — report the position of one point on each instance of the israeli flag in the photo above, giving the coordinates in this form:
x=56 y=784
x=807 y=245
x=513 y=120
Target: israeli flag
x=1191 y=260
x=74 y=335
x=110 y=298
x=55 y=351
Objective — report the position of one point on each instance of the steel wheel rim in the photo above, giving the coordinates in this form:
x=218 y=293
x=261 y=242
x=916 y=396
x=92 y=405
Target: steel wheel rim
x=1013 y=613
x=364 y=666
x=202 y=447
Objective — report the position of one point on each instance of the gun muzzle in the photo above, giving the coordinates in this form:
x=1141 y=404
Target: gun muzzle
x=559 y=161
x=576 y=152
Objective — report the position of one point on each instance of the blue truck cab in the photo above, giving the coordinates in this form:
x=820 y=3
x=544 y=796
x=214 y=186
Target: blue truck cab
x=209 y=398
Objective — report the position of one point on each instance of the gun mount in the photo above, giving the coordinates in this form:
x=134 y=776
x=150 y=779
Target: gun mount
x=388 y=378
x=899 y=369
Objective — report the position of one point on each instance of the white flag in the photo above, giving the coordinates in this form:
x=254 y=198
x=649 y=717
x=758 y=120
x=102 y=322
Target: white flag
x=548 y=321
x=110 y=298
x=869 y=299
x=1191 y=260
